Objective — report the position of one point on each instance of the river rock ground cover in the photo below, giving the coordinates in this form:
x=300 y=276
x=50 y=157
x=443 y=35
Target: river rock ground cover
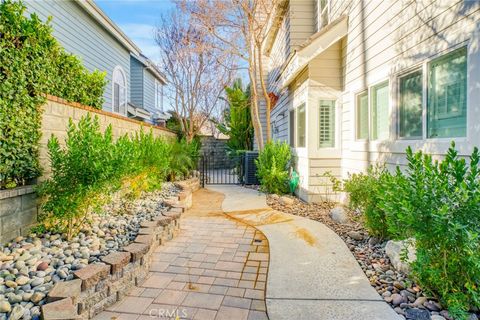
x=30 y=266
x=406 y=297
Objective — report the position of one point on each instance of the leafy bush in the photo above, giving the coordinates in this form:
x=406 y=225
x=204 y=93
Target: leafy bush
x=91 y=166
x=183 y=158
x=79 y=172
x=32 y=63
x=438 y=204
x=365 y=190
x=273 y=165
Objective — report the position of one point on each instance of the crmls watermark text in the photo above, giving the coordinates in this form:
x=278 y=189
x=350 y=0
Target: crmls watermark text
x=168 y=313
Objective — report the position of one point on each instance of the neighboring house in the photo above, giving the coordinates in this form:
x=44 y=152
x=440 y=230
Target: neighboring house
x=134 y=83
x=358 y=81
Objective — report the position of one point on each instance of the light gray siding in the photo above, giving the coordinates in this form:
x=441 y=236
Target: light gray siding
x=136 y=82
x=279 y=54
x=81 y=35
x=149 y=91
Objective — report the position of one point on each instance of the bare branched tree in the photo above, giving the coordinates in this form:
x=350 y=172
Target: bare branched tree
x=240 y=27
x=197 y=73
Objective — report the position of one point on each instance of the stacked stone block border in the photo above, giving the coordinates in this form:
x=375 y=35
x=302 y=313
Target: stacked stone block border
x=98 y=286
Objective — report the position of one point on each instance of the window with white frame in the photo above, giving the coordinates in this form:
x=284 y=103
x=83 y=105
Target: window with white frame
x=447 y=95
x=361 y=115
x=158 y=95
x=410 y=120
x=119 y=91
x=323 y=13
x=301 y=127
x=326 y=124
x=446 y=98
x=379 y=117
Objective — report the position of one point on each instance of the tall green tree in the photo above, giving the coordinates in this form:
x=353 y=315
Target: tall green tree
x=238 y=122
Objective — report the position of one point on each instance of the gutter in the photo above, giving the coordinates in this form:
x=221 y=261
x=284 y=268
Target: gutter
x=99 y=16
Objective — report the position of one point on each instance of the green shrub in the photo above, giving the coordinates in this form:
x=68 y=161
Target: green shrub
x=273 y=166
x=438 y=204
x=91 y=166
x=365 y=191
x=32 y=63
x=79 y=173
x=183 y=158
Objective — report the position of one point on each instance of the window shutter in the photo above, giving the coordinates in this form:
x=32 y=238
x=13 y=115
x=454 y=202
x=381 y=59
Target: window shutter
x=326 y=115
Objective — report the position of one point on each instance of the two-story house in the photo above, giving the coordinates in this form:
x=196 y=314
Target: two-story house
x=134 y=83
x=358 y=81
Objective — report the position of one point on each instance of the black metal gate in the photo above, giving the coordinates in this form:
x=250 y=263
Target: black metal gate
x=219 y=168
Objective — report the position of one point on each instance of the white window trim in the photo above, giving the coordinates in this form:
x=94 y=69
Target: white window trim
x=119 y=68
x=304 y=104
x=355 y=114
x=158 y=100
x=295 y=133
x=396 y=100
x=424 y=67
x=370 y=102
x=320 y=12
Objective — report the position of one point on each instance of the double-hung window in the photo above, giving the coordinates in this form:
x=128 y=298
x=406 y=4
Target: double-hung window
x=447 y=96
x=301 y=127
x=446 y=99
x=323 y=13
x=119 y=91
x=362 y=116
x=379 y=112
x=326 y=124
x=372 y=113
x=410 y=106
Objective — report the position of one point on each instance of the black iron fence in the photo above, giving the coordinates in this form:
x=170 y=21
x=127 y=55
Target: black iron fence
x=219 y=168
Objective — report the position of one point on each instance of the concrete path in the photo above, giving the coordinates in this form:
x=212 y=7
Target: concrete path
x=312 y=274
x=214 y=269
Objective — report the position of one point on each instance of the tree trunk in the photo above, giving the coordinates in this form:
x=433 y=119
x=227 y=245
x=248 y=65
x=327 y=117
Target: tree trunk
x=268 y=103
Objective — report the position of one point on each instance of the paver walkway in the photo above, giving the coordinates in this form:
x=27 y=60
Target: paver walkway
x=312 y=273
x=215 y=269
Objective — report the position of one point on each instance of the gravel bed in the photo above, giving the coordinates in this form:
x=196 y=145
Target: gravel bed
x=30 y=266
x=404 y=296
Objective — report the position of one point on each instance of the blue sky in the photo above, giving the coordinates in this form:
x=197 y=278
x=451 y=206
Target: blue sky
x=138 y=18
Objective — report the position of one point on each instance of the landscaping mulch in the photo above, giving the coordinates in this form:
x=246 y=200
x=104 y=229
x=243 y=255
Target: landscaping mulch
x=405 y=297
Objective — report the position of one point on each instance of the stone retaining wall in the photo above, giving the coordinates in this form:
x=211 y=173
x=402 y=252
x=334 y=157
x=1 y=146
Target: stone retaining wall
x=56 y=115
x=98 y=286
x=18 y=212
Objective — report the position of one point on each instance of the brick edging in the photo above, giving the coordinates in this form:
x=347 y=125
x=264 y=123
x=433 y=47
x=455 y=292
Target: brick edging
x=98 y=286
x=103 y=112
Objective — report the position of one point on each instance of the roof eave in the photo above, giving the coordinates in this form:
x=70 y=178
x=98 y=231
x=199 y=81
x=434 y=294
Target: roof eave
x=99 y=16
